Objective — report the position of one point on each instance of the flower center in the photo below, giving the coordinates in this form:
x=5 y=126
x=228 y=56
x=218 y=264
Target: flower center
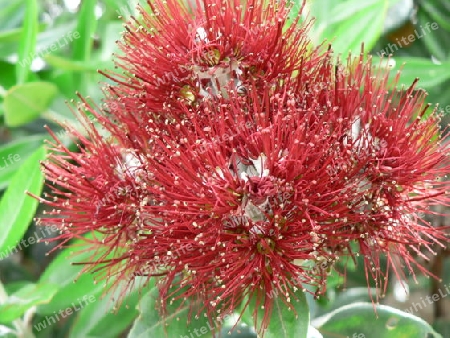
x=214 y=80
x=265 y=246
x=214 y=71
x=256 y=199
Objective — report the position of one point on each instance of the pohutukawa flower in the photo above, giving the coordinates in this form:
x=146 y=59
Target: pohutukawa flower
x=228 y=197
x=253 y=197
x=235 y=201
x=185 y=51
x=405 y=159
x=94 y=189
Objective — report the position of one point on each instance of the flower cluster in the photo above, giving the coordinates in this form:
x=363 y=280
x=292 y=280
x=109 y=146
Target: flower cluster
x=238 y=175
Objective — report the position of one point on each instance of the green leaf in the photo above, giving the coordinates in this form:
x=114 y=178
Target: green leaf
x=11 y=35
x=102 y=319
x=68 y=276
x=11 y=14
x=72 y=65
x=25 y=298
x=110 y=33
x=24 y=103
x=442 y=325
x=284 y=321
x=14 y=154
x=28 y=40
x=429 y=73
x=66 y=87
x=87 y=23
x=8 y=77
x=345 y=24
x=151 y=324
x=240 y=331
x=124 y=8
x=82 y=47
x=436 y=13
x=17 y=209
x=48 y=41
x=361 y=320
x=15 y=35
x=348 y=296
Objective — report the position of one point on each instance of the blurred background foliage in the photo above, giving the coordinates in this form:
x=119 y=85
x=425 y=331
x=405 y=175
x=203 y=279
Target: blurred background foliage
x=51 y=49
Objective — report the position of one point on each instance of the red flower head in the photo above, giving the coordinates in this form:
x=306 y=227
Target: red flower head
x=245 y=194
x=185 y=51
x=249 y=191
x=94 y=189
x=404 y=164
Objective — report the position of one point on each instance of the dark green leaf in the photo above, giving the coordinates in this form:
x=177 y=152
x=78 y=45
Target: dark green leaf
x=437 y=13
x=17 y=209
x=102 y=319
x=7 y=79
x=13 y=154
x=69 y=277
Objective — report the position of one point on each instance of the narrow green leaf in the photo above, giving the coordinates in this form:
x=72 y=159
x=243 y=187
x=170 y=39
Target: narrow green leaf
x=433 y=43
x=17 y=209
x=25 y=298
x=24 y=103
x=360 y=320
x=82 y=47
x=86 y=26
x=67 y=271
x=13 y=154
x=28 y=40
x=439 y=14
